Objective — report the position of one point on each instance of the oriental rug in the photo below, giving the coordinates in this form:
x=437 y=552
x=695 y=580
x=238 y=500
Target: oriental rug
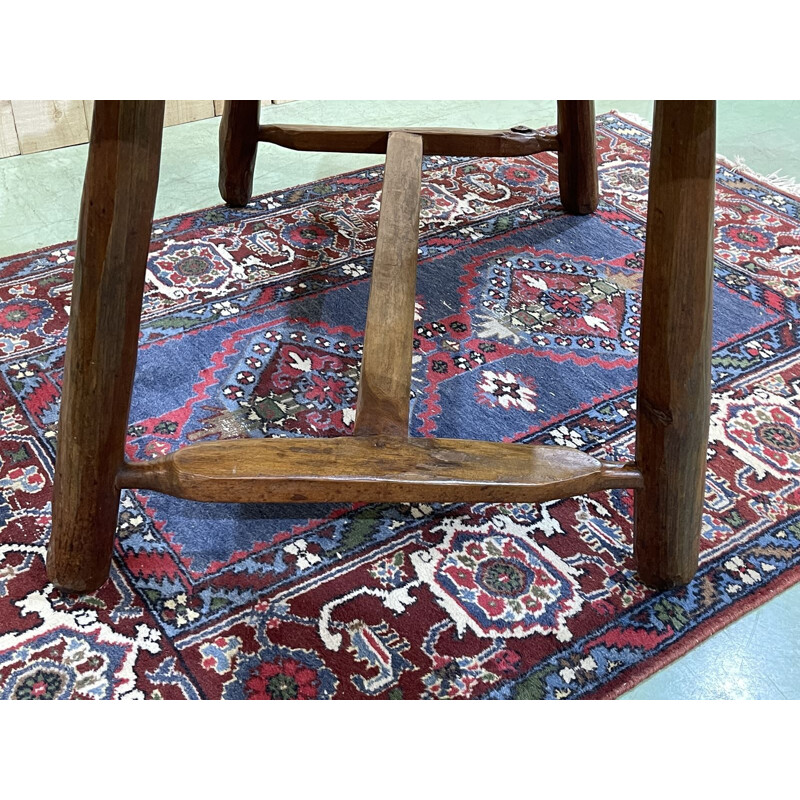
x=526 y=331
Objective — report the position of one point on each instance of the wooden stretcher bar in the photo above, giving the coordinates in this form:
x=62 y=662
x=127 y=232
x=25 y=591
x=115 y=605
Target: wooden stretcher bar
x=385 y=386
x=375 y=469
x=520 y=141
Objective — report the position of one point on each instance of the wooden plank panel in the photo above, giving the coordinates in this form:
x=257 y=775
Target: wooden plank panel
x=179 y=111
x=9 y=145
x=375 y=469
x=385 y=385
x=219 y=105
x=49 y=124
x=436 y=141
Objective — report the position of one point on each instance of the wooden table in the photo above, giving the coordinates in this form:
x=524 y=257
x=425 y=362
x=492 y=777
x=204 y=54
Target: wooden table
x=380 y=462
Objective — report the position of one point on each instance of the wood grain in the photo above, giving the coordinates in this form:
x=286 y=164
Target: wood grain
x=238 y=143
x=88 y=110
x=577 y=156
x=385 y=385
x=674 y=390
x=435 y=141
x=179 y=111
x=9 y=144
x=49 y=124
x=110 y=262
x=176 y=111
x=375 y=469
x=219 y=105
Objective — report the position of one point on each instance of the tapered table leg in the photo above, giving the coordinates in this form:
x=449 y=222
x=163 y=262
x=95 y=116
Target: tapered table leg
x=110 y=261
x=577 y=156
x=238 y=142
x=674 y=391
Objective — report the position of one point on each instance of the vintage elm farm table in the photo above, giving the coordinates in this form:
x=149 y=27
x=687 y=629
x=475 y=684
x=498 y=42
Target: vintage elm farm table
x=380 y=462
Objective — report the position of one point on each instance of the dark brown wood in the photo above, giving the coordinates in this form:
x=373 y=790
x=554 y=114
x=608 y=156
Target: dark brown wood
x=110 y=261
x=375 y=469
x=238 y=142
x=385 y=385
x=577 y=156
x=675 y=349
x=435 y=141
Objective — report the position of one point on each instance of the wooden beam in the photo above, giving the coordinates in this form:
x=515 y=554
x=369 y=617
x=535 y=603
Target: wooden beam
x=238 y=142
x=674 y=392
x=520 y=141
x=577 y=156
x=375 y=469
x=385 y=385
x=119 y=194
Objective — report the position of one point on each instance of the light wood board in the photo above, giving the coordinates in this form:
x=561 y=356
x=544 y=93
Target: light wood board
x=30 y=126
x=49 y=124
x=9 y=145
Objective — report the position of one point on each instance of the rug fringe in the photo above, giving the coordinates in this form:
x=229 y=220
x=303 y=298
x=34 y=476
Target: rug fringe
x=629 y=116
x=783 y=183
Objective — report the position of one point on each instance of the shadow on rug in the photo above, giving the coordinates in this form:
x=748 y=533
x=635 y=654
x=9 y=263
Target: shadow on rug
x=527 y=331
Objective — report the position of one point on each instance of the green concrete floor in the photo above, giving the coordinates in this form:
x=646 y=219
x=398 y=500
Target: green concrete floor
x=757 y=657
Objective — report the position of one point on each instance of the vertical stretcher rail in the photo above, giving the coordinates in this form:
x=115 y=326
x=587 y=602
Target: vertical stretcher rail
x=385 y=386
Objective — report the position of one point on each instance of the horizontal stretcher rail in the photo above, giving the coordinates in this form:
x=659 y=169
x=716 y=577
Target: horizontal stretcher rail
x=435 y=141
x=375 y=469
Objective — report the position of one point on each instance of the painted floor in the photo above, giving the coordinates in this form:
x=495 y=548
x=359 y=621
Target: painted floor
x=757 y=657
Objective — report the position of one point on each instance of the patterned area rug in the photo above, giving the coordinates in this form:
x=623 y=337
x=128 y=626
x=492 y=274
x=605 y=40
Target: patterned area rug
x=527 y=332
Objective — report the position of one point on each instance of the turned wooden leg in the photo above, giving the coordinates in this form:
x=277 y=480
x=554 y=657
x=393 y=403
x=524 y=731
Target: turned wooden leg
x=577 y=156
x=674 y=395
x=238 y=142
x=116 y=216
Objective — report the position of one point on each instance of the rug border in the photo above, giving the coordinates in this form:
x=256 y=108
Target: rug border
x=616 y=687
x=737 y=165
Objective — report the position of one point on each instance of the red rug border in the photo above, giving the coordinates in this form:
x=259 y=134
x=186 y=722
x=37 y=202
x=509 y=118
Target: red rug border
x=700 y=634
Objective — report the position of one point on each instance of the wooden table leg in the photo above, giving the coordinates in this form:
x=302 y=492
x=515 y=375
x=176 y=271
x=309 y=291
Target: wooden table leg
x=110 y=263
x=577 y=156
x=238 y=142
x=674 y=392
